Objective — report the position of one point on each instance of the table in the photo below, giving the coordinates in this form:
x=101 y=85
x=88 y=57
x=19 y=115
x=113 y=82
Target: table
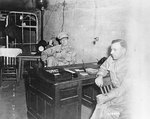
x=26 y=57
x=56 y=99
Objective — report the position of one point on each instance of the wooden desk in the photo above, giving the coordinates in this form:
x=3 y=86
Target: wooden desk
x=25 y=57
x=54 y=99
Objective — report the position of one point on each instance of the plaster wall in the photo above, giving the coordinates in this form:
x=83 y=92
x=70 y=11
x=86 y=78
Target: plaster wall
x=85 y=20
x=139 y=43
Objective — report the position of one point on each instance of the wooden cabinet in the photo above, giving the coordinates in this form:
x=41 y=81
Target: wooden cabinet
x=89 y=93
x=52 y=100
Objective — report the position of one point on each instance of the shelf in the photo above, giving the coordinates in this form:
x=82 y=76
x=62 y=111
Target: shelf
x=28 y=26
x=25 y=43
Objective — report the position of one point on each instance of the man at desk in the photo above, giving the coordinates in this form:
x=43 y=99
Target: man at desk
x=113 y=105
x=62 y=54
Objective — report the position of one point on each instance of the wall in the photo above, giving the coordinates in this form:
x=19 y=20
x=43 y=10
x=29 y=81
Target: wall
x=17 y=5
x=139 y=37
x=85 y=20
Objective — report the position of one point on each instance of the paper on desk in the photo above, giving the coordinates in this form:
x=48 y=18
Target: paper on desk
x=68 y=70
x=79 y=70
x=91 y=70
x=84 y=73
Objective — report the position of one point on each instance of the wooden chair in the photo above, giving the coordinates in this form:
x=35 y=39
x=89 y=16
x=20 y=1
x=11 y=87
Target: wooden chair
x=106 y=88
x=9 y=64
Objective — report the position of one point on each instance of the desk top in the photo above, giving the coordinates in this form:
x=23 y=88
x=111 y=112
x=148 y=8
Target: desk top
x=86 y=79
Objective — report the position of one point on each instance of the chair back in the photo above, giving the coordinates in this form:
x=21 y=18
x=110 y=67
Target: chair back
x=105 y=89
x=9 y=61
x=107 y=86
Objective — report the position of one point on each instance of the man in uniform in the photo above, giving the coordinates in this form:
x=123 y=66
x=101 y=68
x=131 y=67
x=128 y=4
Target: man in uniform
x=114 y=105
x=62 y=54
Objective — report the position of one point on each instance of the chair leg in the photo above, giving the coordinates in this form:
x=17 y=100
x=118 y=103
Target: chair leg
x=0 y=77
x=18 y=77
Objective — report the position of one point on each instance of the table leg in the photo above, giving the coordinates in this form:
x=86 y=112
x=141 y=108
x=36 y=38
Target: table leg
x=19 y=70
x=22 y=68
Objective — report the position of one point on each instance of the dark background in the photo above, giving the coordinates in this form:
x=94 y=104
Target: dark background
x=18 y=5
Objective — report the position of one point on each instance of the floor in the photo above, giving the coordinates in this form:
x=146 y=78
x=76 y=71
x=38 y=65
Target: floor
x=13 y=103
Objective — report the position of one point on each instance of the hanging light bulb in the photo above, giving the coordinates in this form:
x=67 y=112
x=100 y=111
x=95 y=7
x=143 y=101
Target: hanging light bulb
x=41 y=4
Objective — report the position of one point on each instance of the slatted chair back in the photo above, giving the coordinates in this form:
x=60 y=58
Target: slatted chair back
x=9 y=61
x=105 y=89
x=9 y=64
x=107 y=86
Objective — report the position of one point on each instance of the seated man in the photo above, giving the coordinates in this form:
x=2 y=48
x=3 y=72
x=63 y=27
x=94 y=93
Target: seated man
x=62 y=54
x=114 y=105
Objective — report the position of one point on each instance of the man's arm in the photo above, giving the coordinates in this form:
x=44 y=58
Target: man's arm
x=46 y=53
x=103 y=71
x=44 y=56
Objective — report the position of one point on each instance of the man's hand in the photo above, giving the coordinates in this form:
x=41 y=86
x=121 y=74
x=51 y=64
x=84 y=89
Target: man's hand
x=101 y=99
x=99 y=81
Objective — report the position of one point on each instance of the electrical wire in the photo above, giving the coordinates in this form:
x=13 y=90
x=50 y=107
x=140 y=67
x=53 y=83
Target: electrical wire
x=63 y=15
x=95 y=18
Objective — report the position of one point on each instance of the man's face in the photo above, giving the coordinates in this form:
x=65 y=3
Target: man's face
x=117 y=51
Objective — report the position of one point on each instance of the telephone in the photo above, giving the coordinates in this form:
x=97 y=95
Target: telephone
x=101 y=61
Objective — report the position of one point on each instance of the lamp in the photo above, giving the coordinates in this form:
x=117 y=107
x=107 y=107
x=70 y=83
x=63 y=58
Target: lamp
x=41 y=4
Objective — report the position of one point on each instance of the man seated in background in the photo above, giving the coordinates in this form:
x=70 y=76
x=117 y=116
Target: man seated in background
x=114 y=105
x=62 y=54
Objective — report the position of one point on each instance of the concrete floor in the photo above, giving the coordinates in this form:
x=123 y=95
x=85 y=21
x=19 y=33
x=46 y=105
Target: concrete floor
x=13 y=103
